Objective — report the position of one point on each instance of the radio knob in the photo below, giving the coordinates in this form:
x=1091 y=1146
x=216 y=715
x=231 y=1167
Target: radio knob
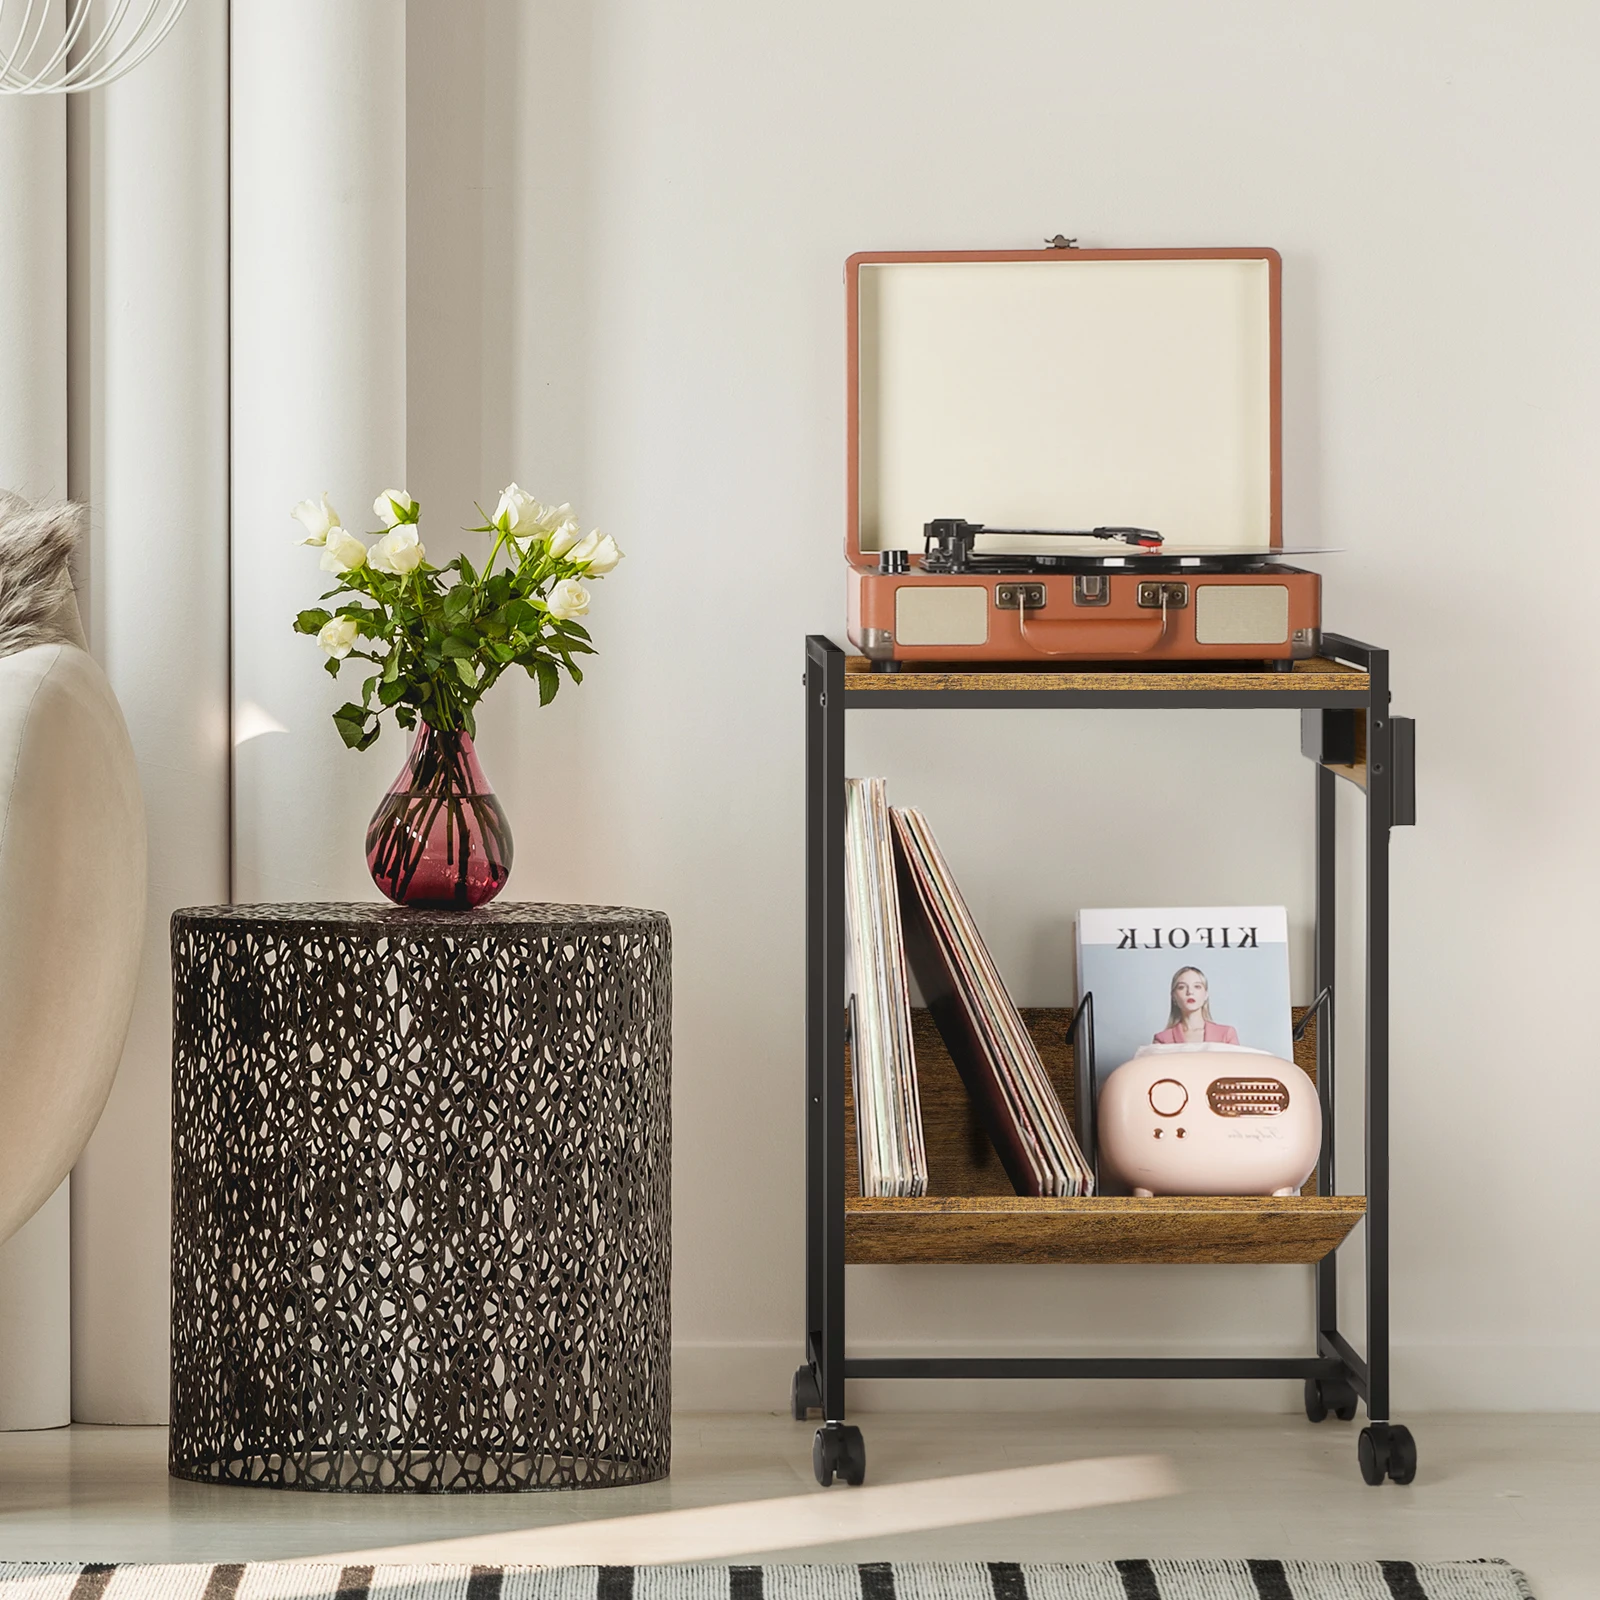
x=1168 y=1097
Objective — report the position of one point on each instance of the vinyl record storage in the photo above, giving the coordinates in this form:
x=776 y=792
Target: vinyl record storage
x=970 y=1215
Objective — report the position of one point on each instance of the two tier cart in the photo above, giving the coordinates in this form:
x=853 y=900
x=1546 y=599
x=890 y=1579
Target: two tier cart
x=970 y=1215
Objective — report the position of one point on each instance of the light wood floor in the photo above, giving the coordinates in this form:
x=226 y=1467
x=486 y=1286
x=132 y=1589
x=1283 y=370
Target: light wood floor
x=1523 y=1487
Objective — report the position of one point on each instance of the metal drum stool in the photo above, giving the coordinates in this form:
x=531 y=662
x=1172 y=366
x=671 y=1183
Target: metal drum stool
x=420 y=1197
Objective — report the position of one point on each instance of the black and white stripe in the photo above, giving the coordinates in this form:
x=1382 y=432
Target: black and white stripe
x=953 y=1580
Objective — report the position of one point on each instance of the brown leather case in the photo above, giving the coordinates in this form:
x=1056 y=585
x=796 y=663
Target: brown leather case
x=1273 y=615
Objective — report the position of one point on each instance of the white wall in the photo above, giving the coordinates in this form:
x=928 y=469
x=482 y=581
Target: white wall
x=668 y=192
x=625 y=224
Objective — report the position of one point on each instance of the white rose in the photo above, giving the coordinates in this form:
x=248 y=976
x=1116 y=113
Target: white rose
x=568 y=599
x=343 y=552
x=316 y=519
x=517 y=512
x=394 y=506
x=606 y=556
x=552 y=517
x=563 y=536
x=585 y=548
x=398 y=552
x=338 y=636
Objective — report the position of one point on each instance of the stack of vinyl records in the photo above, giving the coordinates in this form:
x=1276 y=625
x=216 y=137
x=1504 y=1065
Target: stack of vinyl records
x=980 y=1025
x=893 y=1157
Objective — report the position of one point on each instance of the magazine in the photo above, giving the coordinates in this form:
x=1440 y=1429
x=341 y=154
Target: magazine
x=1184 y=975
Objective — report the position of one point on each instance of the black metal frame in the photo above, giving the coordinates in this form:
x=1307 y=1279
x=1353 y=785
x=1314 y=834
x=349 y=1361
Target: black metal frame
x=1332 y=720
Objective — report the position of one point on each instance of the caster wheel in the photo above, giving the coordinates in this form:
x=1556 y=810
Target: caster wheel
x=804 y=1395
x=1387 y=1450
x=1372 y=1451
x=1316 y=1405
x=1329 y=1396
x=839 y=1451
x=1402 y=1455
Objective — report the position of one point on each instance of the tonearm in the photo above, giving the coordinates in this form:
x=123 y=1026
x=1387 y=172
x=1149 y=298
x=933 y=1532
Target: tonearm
x=947 y=541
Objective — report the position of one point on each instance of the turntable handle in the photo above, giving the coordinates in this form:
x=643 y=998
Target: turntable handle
x=1079 y=626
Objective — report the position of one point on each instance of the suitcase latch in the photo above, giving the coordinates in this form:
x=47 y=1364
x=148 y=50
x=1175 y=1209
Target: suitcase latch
x=1152 y=596
x=1018 y=596
x=1091 y=589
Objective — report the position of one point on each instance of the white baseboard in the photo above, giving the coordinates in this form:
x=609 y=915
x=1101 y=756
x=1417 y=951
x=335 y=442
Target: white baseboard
x=755 y=1376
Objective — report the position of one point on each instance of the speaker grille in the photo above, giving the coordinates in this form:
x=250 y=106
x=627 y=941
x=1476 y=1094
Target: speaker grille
x=1247 y=1097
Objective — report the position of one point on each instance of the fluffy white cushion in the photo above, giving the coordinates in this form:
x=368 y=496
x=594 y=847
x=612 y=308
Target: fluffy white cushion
x=37 y=605
x=72 y=867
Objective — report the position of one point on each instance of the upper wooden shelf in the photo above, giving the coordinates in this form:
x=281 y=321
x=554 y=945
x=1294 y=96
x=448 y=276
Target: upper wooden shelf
x=1247 y=679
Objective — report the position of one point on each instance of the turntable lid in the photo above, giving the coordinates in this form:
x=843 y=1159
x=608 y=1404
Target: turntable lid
x=1065 y=388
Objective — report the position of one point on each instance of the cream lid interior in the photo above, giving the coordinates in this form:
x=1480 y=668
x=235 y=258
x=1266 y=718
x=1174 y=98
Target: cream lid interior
x=1066 y=394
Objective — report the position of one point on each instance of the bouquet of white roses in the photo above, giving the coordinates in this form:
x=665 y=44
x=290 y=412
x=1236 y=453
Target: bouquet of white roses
x=438 y=638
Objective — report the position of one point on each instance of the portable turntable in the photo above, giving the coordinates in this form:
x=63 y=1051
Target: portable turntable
x=1114 y=416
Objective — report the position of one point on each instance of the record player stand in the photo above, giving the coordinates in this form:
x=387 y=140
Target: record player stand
x=1346 y=729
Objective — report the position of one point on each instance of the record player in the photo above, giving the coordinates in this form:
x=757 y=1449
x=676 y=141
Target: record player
x=1071 y=455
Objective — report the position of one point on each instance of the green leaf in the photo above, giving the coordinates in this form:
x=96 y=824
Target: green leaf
x=312 y=621
x=389 y=692
x=462 y=646
x=331 y=666
x=391 y=667
x=465 y=568
x=549 y=680
x=351 y=721
x=465 y=673
x=366 y=691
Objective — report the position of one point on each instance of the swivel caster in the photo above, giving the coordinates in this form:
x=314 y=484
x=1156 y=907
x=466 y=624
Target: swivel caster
x=839 y=1450
x=804 y=1395
x=1387 y=1450
x=1324 y=1395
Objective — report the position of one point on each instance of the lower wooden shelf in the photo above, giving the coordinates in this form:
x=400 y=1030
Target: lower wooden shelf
x=972 y=1215
x=1106 y=1229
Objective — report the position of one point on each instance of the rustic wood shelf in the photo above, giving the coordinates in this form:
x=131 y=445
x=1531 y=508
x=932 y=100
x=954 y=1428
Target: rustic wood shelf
x=1245 y=678
x=1105 y=1229
x=972 y=1215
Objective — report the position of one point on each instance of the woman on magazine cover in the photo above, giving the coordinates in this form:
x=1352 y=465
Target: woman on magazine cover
x=1190 y=1019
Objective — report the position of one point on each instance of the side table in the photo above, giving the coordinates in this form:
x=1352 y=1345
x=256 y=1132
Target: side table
x=420 y=1197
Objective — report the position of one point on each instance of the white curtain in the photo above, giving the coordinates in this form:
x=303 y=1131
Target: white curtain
x=200 y=328
x=34 y=1341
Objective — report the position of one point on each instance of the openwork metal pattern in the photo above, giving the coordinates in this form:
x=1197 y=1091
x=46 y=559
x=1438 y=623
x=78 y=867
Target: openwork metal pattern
x=420 y=1197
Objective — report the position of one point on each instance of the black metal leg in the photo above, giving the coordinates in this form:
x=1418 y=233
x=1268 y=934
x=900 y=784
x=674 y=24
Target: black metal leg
x=816 y=999
x=825 y=805
x=1380 y=739
x=1323 y=962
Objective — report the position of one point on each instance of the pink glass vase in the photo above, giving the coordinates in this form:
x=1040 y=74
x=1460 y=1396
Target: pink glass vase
x=440 y=839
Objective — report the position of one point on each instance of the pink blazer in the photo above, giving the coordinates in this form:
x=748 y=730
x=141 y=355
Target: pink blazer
x=1216 y=1033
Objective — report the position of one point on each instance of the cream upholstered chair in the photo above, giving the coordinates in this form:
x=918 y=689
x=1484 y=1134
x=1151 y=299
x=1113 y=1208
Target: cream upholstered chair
x=72 y=866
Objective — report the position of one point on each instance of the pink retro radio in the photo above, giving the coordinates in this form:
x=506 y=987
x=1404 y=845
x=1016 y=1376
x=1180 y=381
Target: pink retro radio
x=1070 y=455
x=1209 y=1119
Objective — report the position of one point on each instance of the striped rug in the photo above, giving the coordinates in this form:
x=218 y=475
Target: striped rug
x=995 y=1580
